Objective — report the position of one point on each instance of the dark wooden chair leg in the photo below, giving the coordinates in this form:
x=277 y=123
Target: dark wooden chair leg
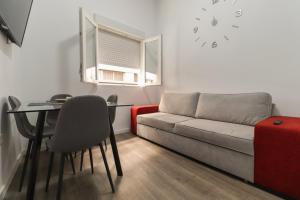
x=60 y=177
x=107 y=168
x=72 y=163
x=49 y=170
x=91 y=160
x=81 y=160
x=25 y=164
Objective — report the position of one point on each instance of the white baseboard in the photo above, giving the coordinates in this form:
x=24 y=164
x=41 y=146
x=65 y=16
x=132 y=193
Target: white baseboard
x=5 y=187
x=124 y=130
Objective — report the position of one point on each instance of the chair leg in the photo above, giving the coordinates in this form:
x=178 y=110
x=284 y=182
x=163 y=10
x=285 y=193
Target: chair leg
x=61 y=174
x=107 y=168
x=81 y=160
x=49 y=170
x=47 y=148
x=105 y=145
x=25 y=164
x=91 y=160
x=72 y=163
x=31 y=151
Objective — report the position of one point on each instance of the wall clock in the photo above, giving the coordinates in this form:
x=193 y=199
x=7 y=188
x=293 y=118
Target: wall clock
x=216 y=22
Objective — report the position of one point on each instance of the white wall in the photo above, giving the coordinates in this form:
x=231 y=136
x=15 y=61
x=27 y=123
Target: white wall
x=262 y=55
x=48 y=63
x=10 y=142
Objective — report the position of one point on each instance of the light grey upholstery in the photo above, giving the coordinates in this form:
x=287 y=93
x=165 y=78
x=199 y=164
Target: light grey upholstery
x=52 y=115
x=163 y=121
x=24 y=127
x=83 y=122
x=23 y=124
x=113 y=99
x=179 y=103
x=248 y=109
x=233 y=162
x=236 y=137
x=222 y=136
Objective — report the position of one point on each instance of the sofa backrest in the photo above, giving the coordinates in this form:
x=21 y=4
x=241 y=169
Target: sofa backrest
x=247 y=109
x=179 y=103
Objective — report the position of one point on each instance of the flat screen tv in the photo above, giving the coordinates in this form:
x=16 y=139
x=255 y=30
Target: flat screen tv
x=14 y=15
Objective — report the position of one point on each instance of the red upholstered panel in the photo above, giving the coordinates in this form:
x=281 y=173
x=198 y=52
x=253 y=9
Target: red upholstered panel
x=277 y=155
x=138 y=110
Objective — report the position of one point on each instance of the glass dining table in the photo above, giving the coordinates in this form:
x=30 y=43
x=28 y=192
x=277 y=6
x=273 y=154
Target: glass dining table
x=42 y=109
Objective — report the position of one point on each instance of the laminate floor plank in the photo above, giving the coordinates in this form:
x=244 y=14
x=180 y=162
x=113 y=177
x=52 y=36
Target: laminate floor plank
x=150 y=173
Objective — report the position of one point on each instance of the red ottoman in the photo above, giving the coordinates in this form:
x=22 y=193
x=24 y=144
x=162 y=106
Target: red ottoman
x=138 y=110
x=277 y=155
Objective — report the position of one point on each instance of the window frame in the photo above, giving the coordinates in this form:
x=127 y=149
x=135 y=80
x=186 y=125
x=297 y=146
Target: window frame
x=82 y=17
x=159 y=80
x=141 y=75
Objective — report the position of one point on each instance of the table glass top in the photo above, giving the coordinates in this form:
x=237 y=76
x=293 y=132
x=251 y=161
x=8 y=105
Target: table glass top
x=50 y=106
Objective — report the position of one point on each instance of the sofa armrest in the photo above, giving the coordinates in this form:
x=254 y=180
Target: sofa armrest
x=139 y=110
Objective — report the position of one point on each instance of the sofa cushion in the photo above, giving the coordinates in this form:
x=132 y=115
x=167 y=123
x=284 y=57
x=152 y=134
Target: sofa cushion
x=248 y=109
x=163 y=121
x=232 y=136
x=179 y=103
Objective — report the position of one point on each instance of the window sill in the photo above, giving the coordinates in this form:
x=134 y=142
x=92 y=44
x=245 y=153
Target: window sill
x=118 y=84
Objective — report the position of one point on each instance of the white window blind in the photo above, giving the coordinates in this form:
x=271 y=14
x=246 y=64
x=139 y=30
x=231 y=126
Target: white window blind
x=118 y=50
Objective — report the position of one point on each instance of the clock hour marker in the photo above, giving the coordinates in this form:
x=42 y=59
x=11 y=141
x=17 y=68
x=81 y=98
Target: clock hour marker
x=238 y=13
x=215 y=1
x=197 y=18
x=214 y=22
x=214 y=45
x=235 y=26
x=195 y=29
x=234 y=2
x=204 y=9
x=198 y=38
x=203 y=44
x=226 y=38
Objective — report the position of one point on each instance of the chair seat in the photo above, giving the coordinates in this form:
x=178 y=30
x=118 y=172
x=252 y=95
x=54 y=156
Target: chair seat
x=163 y=121
x=236 y=137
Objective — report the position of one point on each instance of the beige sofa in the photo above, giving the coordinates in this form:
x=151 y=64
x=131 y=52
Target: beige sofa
x=217 y=129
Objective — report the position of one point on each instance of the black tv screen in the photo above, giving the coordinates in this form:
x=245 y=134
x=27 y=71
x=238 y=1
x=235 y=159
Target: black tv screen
x=14 y=15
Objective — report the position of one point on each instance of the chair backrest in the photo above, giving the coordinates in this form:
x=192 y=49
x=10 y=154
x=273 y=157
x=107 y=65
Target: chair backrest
x=112 y=110
x=52 y=116
x=60 y=96
x=83 y=122
x=23 y=124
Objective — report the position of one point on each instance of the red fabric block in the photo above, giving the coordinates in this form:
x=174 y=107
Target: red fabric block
x=277 y=155
x=139 y=110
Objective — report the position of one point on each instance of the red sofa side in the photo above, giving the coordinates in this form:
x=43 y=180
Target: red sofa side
x=139 y=110
x=277 y=155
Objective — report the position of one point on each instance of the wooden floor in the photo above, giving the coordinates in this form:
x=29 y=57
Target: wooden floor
x=150 y=172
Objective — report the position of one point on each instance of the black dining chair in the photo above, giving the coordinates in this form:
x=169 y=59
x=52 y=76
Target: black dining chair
x=83 y=122
x=52 y=115
x=112 y=99
x=28 y=131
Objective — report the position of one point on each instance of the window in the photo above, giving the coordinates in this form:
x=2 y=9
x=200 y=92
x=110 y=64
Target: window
x=111 y=56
